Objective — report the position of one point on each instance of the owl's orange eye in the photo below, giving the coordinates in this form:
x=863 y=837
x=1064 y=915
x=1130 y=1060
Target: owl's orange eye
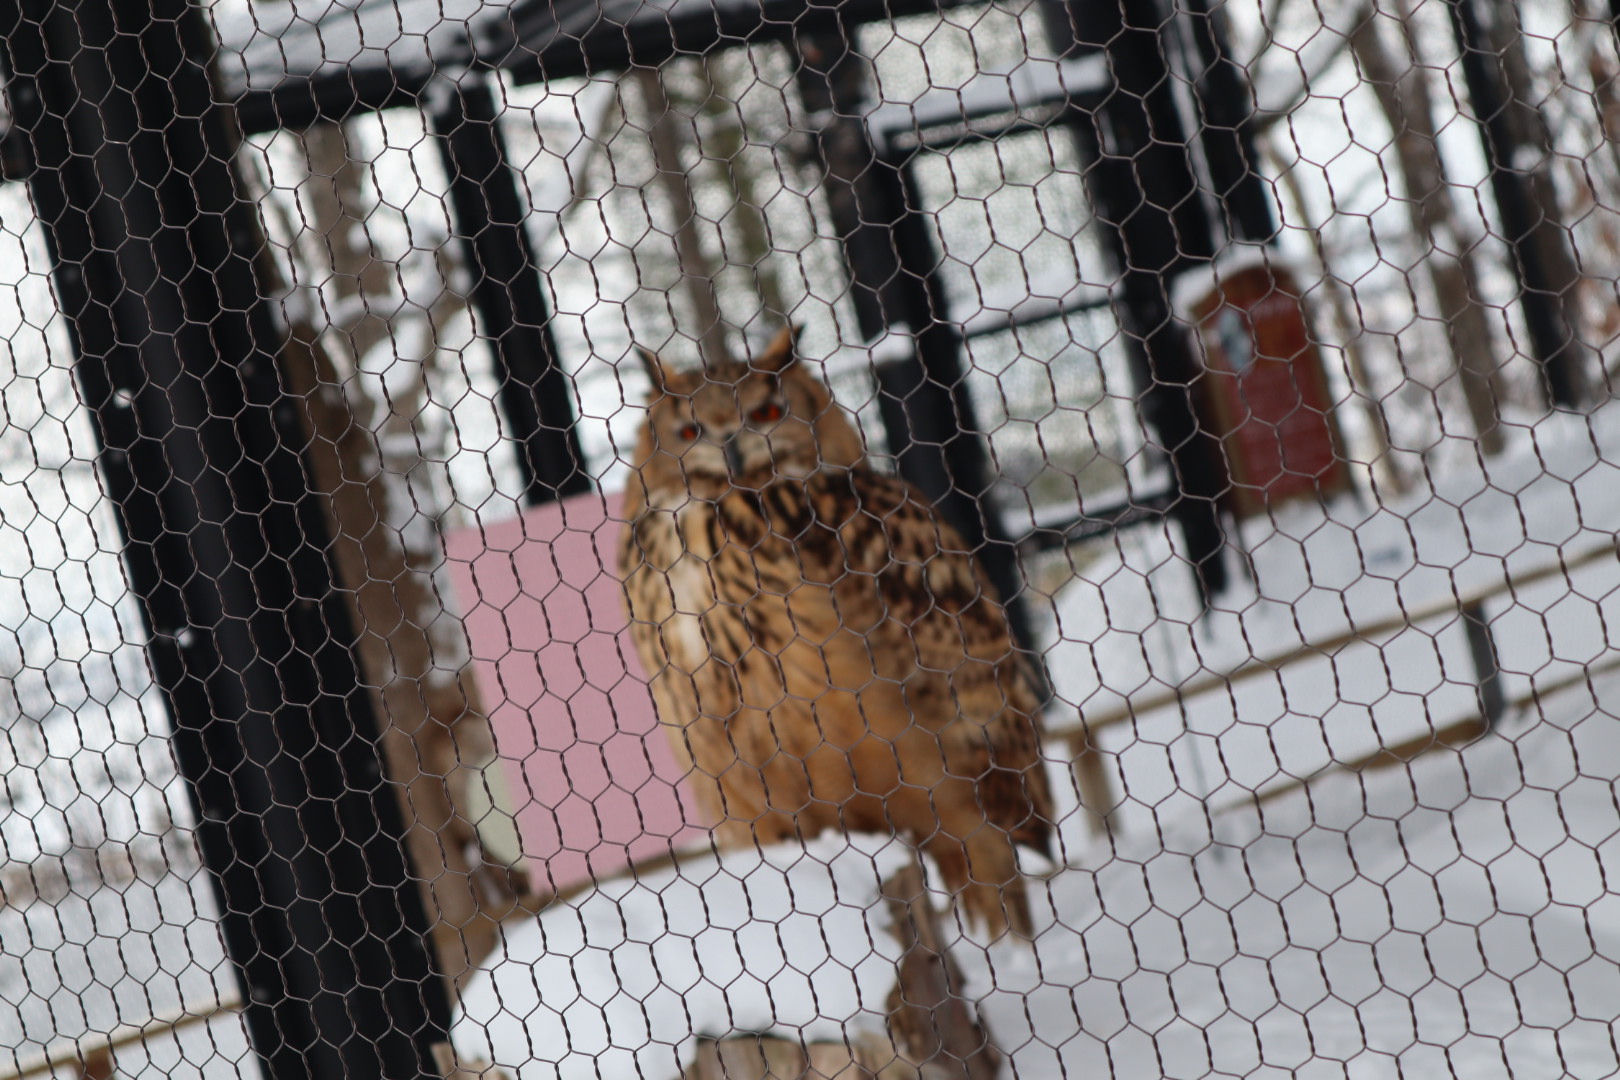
x=768 y=413
x=688 y=432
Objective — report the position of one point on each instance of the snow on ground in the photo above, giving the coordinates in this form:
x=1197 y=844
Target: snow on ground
x=1129 y=623
x=621 y=982
x=1450 y=918
x=1447 y=919
x=120 y=954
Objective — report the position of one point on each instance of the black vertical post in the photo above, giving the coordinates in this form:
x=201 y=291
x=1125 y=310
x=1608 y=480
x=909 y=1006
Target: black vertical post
x=1145 y=192
x=225 y=545
x=1487 y=675
x=924 y=397
x=1517 y=151
x=508 y=294
x=1225 y=100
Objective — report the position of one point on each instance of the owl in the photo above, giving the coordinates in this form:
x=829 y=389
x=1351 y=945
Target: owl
x=823 y=648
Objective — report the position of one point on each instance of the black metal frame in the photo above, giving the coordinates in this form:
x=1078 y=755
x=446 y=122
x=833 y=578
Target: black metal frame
x=928 y=415
x=131 y=167
x=153 y=242
x=509 y=294
x=1511 y=129
x=1146 y=193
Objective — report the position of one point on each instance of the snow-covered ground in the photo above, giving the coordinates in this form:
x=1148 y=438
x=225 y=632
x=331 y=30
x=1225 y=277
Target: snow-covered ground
x=1129 y=623
x=1451 y=917
x=1447 y=919
x=622 y=981
x=85 y=965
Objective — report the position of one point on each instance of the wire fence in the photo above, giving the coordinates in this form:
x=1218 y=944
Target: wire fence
x=739 y=538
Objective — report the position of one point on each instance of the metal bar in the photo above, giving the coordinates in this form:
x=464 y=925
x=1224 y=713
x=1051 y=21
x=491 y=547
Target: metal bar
x=1517 y=149
x=1329 y=647
x=832 y=82
x=1095 y=523
x=508 y=293
x=535 y=42
x=923 y=398
x=1225 y=97
x=249 y=638
x=1142 y=185
x=1482 y=649
x=1028 y=314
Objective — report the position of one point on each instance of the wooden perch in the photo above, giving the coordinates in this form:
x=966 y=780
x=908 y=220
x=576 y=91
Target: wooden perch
x=929 y=1020
x=768 y=1057
x=97 y=1064
x=934 y=1033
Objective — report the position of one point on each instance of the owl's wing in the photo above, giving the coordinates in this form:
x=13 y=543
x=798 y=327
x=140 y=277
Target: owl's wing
x=938 y=601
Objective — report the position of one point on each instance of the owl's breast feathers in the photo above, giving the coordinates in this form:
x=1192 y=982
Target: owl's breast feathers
x=838 y=614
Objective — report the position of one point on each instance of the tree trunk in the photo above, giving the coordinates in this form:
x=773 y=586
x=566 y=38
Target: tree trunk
x=437 y=740
x=1518 y=149
x=1402 y=89
x=697 y=275
x=1386 y=470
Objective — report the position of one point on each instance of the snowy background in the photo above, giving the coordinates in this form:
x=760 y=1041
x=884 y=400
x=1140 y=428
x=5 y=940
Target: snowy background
x=1448 y=917
x=1452 y=918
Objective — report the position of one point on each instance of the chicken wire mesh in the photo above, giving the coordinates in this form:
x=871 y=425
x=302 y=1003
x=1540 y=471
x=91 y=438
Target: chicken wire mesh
x=576 y=540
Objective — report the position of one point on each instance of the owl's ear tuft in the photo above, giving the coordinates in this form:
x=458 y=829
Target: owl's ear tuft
x=657 y=373
x=780 y=354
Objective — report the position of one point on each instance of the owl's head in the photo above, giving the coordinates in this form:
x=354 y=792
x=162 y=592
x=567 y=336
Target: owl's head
x=740 y=425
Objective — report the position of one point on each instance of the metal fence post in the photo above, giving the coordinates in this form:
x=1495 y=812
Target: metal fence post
x=927 y=410
x=508 y=294
x=226 y=547
x=1140 y=177
x=1518 y=152
x=1226 y=110
x=1482 y=649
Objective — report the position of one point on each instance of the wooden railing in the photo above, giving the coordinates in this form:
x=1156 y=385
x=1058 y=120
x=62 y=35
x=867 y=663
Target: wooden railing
x=1096 y=785
x=92 y=1057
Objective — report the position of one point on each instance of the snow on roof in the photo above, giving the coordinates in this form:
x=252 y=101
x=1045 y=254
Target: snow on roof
x=620 y=983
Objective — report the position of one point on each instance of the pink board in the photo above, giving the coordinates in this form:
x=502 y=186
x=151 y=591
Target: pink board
x=593 y=779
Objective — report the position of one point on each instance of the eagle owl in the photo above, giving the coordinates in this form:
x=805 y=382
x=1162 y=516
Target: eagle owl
x=823 y=649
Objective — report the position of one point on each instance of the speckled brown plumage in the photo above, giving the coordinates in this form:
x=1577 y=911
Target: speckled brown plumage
x=823 y=648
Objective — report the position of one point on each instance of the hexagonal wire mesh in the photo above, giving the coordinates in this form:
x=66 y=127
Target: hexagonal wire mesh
x=1151 y=618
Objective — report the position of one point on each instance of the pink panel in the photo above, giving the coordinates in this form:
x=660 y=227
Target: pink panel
x=593 y=776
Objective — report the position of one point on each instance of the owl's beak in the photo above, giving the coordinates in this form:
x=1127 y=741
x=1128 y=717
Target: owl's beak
x=734 y=456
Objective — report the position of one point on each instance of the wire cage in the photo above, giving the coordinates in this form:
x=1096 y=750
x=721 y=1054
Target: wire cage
x=750 y=538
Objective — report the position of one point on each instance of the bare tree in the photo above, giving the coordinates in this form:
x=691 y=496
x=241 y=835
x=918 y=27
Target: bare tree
x=76 y=817
x=1519 y=147
x=1400 y=81
x=436 y=742
x=668 y=130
